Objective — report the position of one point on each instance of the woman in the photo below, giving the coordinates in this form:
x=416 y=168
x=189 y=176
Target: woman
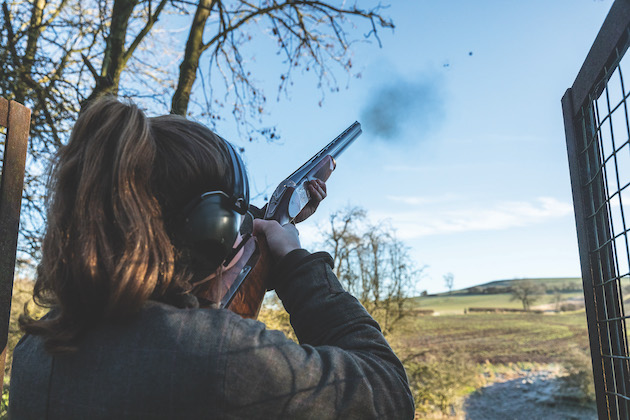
x=125 y=338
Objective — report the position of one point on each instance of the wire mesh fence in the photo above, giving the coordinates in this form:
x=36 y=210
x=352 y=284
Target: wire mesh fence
x=597 y=126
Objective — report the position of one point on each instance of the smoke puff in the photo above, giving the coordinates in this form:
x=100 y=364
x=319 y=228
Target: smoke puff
x=402 y=104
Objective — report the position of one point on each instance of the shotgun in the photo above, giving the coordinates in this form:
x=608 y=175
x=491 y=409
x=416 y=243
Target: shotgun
x=242 y=288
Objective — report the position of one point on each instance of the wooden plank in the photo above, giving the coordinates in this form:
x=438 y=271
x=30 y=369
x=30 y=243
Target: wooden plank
x=4 y=112
x=11 y=185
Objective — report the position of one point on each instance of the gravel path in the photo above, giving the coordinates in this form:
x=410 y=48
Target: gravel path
x=535 y=395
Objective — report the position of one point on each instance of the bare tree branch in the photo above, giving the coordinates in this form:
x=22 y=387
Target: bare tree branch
x=294 y=23
x=372 y=264
x=56 y=54
x=150 y=22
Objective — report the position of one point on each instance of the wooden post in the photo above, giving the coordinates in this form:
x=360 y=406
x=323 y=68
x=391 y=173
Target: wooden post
x=17 y=120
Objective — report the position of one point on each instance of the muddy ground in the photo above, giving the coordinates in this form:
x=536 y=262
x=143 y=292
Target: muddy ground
x=528 y=395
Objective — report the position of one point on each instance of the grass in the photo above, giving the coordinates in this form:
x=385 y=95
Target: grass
x=497 y=338
x=456 y=304
x=450 y=356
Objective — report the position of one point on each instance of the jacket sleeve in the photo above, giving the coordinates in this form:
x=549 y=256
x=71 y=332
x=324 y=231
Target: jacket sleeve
x=343 y=367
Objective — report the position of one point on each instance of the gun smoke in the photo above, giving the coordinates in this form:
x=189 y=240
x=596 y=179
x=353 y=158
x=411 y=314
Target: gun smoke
x=403 y=104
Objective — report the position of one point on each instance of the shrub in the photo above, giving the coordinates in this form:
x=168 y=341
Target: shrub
x=4 y=403
x=568 y=307
x=579 y=375
x=438 y=384
x=276 y=318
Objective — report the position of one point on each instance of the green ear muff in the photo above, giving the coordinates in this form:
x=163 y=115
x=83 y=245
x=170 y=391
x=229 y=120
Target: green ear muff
x=210 y=228
x=210 y=223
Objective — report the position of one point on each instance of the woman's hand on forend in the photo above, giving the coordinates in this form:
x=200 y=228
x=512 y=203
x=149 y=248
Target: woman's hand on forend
x=317 y=190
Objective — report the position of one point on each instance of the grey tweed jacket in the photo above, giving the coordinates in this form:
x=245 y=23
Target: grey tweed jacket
x=172 y=363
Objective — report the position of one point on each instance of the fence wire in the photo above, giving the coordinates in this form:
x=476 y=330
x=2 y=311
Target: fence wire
x=602 y=127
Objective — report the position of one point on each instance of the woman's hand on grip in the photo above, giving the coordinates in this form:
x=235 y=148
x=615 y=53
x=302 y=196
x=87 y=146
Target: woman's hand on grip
x=280 y=239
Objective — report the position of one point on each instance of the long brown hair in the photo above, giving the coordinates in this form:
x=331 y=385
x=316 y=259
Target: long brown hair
x=114 y=192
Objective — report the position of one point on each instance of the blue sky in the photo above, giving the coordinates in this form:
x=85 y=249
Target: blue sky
x=473 y=171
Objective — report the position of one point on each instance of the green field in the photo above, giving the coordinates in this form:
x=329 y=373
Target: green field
x=548 y=282
x=456 y=304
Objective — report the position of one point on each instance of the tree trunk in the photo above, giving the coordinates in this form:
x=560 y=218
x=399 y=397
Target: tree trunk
x=114 y=57
x=190 y=63
x=34 y=31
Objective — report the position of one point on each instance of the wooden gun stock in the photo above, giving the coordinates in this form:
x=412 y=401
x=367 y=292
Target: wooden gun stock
x=242 y=288
x=248 y=298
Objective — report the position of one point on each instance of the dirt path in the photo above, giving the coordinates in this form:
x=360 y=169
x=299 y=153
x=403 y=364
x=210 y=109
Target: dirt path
x=536 y=394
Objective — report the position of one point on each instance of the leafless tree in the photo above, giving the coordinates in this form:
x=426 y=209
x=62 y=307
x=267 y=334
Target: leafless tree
x=373 y=264
x=449 y=281
x=58 y=54
x=342 y=240
x=40 y=50
x=527 y=292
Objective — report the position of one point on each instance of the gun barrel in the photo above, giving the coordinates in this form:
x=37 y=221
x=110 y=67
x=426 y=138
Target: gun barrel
x=345 y=139
x=333 y=149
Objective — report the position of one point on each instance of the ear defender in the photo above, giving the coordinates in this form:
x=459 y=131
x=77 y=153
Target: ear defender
x=211 y=222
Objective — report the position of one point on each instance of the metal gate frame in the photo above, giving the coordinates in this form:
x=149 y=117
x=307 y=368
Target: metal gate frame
x=595 y=157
